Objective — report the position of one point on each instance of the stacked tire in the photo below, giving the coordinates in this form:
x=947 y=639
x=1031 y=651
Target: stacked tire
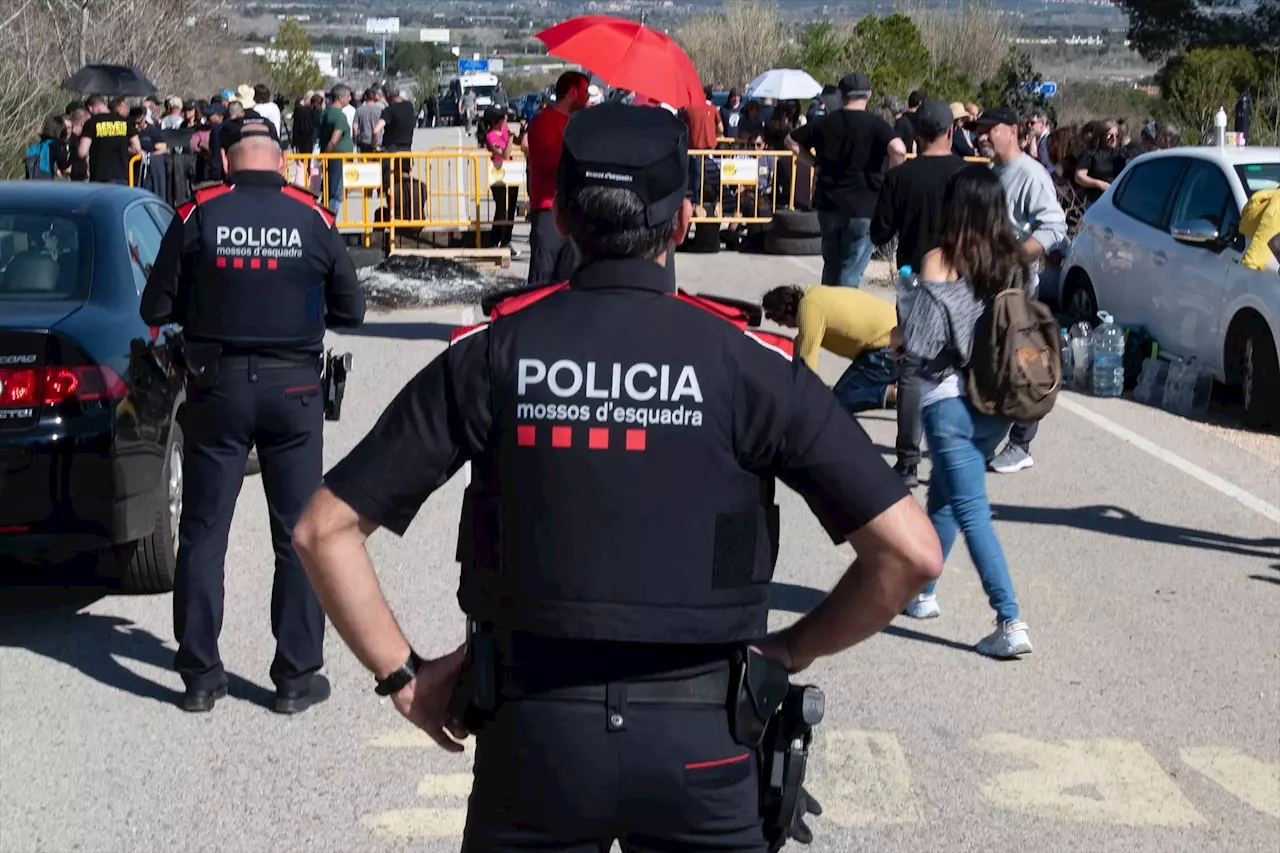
x=794 y=232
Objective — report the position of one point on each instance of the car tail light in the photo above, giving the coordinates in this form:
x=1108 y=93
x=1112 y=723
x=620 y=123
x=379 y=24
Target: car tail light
x=53 y=385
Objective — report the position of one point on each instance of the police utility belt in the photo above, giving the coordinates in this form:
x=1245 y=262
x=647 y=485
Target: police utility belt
x=202 y=362
x=767 y=714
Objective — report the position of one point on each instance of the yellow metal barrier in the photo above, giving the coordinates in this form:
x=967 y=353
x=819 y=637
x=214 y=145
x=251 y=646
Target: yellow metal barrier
x=753 y=184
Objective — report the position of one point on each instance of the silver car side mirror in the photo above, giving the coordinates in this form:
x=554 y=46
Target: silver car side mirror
x=1196 y=232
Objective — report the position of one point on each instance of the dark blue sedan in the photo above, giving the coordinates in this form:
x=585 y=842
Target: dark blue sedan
x=90 y=446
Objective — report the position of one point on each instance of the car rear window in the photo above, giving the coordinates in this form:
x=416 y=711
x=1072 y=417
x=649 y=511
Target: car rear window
x=1259 y=177
x=45 y=256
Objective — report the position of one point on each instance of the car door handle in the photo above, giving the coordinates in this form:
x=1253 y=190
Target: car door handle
x=1108 y=233
x=1159 y=257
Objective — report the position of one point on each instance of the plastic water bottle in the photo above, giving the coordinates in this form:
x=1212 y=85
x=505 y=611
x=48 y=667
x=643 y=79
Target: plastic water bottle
x=908 y=290
x=1152 y=381
x=1068 y=361
x=1197 y=386
x=1171 y=399
x=1106 y=357
x=1080 y=356
x=1220 y=127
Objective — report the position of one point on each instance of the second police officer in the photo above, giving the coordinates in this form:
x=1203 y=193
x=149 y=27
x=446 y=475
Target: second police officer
x=619 y=531
x=253 y=270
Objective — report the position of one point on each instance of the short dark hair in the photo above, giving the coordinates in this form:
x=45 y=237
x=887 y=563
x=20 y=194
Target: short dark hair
x=709 y=92
x=599 y=221
x=782 y=303
x=915 y=99
x=137 y=113
x=74 y=105
x=116 y=103
x=261 y=94
x=568 y=81
x=95 y=101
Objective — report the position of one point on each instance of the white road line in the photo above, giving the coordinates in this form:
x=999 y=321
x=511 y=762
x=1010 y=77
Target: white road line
x=1247 y=499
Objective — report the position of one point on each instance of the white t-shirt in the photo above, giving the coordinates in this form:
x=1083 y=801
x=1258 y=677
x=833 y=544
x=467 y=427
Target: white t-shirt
x=350 y=112
x=271 y=113
x=932 y=392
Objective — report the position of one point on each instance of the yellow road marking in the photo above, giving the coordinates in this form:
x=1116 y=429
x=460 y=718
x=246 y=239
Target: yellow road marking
x=862 y=778
x=414 y=739
x=417 y=823
x=1255 y=782
x=1089 y=781
x=446 y=785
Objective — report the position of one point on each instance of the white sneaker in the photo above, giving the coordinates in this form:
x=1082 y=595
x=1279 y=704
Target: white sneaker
x=1008 y=640
x=1011 y=460
x=923 y=607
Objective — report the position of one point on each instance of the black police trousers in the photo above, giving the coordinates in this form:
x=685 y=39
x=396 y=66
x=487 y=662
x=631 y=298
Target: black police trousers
x=280 y=410
x=551 y=777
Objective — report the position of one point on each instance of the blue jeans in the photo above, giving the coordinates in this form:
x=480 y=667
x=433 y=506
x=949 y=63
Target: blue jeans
x=846 y=248
x=334 y=168
x=866 y=382
x=961 y=440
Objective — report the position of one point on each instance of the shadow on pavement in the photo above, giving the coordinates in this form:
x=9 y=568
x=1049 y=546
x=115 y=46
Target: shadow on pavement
x=792 y=598
x=46 y=619
x=1275 y=579
x=1116 y=521
x=404 y=331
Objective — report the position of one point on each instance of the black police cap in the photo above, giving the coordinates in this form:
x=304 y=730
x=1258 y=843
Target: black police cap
x=642 y=149
x=251 y=124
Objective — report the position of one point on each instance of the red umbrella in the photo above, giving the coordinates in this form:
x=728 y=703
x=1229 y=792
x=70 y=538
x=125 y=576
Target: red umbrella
x=627 y=55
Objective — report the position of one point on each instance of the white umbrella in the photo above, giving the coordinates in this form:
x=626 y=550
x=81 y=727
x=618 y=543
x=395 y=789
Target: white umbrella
x=784 y=84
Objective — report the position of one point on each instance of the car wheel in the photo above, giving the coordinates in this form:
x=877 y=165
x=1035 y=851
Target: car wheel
x=1257 y=368
x=151 y=564
x=1079 y=302
x=252 y=464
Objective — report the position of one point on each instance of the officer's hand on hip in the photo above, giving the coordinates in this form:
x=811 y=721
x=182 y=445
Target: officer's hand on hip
x=425 y=700
x=776 y=648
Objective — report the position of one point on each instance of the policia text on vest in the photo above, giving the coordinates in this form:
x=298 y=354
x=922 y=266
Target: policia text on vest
x=253 y=271
x=614 y=570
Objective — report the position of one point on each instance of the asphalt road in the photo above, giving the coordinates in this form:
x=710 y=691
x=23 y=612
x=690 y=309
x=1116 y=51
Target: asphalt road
x=1146 y=553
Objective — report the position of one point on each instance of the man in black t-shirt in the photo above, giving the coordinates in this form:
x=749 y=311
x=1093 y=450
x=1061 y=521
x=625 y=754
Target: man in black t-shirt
x=910 y=208
x=109 y=140
x=852 y=149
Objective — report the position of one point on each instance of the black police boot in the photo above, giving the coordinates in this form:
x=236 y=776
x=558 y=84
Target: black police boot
x=297 y=701
x=910 y=479
x=202 y=701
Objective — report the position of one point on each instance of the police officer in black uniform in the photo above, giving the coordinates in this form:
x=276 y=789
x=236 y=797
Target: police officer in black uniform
x=253 y=270
x=619 y=529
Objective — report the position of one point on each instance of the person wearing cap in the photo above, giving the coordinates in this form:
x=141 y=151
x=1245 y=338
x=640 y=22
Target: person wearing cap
x=172 y=119
x=731 y=114
x=910 y=208
x=235 y=112
x=619 y=526
x=961 y=143
x=254 y=271
x=1035 y=211
x=852 y=148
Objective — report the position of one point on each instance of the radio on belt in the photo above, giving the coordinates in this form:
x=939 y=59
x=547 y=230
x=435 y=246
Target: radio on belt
x=334 y=383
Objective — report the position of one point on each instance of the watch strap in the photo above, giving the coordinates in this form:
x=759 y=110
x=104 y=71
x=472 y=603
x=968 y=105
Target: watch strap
x=396 y=681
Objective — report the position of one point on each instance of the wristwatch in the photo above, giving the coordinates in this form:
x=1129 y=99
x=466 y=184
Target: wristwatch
x=396 y=681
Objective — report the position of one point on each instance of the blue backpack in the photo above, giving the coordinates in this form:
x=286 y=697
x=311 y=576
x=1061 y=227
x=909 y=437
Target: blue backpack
x=39 y=163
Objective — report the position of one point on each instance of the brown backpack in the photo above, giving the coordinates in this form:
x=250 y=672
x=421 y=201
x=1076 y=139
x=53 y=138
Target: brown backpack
x=1015 y=369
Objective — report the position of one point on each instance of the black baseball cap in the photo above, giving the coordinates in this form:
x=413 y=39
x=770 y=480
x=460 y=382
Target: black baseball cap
x=988 y=119
x=642 y=149
x=251 y=124
x=933 y=118
x=855 y=83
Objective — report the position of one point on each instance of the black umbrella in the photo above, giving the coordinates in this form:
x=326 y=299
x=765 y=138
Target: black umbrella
x=112 y=81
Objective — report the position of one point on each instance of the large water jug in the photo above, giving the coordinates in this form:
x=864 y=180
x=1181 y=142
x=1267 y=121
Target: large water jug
x=908 y=291
x=1106 y=358
x=1151 y=381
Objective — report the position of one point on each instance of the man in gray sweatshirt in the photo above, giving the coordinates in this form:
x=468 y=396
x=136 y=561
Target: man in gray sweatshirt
x=1041 y=224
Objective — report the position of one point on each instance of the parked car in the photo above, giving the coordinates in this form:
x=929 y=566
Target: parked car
x=1161 y=249
x=90 y=446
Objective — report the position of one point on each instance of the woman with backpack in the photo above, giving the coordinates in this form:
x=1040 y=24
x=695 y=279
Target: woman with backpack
x=49 y=158
x=977 y=258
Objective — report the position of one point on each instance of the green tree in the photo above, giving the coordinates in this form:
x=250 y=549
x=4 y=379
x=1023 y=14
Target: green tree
x=891 y=52
x=290 y=61
x=824 y=51
x=949 y=84
x=1015 y=85
x=411 y=57
x=1159 y=29
x=1196 y=83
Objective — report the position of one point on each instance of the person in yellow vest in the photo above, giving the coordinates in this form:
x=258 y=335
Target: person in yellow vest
x=1260 y=222
x=848 y=322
